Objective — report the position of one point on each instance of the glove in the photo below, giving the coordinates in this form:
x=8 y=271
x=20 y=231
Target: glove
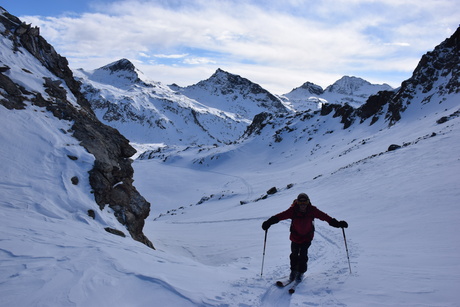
x=269 y=222
x=338 y=224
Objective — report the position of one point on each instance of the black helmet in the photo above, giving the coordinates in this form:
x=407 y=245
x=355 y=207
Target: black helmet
x=303 y=196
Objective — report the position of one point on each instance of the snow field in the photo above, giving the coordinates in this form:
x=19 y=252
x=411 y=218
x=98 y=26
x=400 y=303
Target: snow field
x=401 y=207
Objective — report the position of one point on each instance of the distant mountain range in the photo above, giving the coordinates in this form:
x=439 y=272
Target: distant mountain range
x=433 y=88
x=213 y=111
x=347 y=90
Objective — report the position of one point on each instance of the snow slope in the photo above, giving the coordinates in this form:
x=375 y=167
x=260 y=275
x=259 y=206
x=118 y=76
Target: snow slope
x=401 y=207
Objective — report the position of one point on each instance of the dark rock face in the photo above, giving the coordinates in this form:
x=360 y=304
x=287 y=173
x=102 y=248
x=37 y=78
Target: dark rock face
x=345 y=111
x=13 y=93
x=441 y=63
x=374 y=106
x=313 y=88
x=258 y=123
x=112 y=175
x=121 y=65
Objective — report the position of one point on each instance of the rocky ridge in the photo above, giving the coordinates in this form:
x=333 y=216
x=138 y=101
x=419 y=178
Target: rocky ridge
x=112 y=173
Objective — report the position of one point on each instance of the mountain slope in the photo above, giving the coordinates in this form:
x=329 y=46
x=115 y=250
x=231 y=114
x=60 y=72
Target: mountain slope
x=435 y=79
x=34 y=76
x=235 y=94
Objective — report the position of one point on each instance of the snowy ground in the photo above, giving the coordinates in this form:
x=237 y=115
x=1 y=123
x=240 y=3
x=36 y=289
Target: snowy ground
x=402 y=208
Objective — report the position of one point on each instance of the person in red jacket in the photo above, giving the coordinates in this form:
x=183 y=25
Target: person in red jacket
x=302 y=213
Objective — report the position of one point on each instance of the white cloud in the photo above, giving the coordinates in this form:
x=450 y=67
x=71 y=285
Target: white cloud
x=198 y=61
x=291 y=38
x=171 y=56
x=397 y=44
x=144 y=55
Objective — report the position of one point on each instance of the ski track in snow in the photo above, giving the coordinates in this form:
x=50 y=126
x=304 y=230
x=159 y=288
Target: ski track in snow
x=328 y=268
x=327 y=271
x=230 y=184
x=249 y=188
x=254 y=291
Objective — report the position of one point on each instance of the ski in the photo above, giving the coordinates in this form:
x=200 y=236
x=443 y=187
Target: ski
x=283 y=283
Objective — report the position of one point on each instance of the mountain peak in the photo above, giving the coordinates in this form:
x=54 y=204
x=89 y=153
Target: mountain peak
x=355 y=86
x=438 y=64
x=224 y=80
x=312 y=88
x=119 y=73
x=120 y=65
x=235 y=94
x=221 y=71
x=347 y=85
x=222 y=76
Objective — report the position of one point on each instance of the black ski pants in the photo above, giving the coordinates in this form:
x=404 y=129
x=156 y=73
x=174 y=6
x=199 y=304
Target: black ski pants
x=299 y=256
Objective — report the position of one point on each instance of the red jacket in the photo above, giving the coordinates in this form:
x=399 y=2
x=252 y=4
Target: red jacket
x=302 y=228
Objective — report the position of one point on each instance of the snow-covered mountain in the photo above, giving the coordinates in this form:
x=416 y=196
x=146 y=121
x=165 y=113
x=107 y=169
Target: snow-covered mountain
x=389 y=168
x=121 y=74
x=149 y=112
x=214 y=111
x=235 y=94
x=347 y=90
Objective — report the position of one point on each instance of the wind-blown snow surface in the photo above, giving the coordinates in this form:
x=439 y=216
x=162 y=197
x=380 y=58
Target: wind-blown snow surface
x=402 y=208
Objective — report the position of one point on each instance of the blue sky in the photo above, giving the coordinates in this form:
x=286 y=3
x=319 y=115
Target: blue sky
x=277 y=44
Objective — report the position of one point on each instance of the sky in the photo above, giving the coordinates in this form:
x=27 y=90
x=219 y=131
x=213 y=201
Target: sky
x=277 y=44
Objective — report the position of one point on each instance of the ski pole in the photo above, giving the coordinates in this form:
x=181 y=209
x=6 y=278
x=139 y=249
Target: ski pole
x=346 y=247
x=263 y=256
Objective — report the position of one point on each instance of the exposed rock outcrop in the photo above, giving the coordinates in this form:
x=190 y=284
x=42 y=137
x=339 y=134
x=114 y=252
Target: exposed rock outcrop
x=437 y=74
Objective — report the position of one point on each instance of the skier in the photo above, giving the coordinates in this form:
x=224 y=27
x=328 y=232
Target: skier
x=302 y=213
